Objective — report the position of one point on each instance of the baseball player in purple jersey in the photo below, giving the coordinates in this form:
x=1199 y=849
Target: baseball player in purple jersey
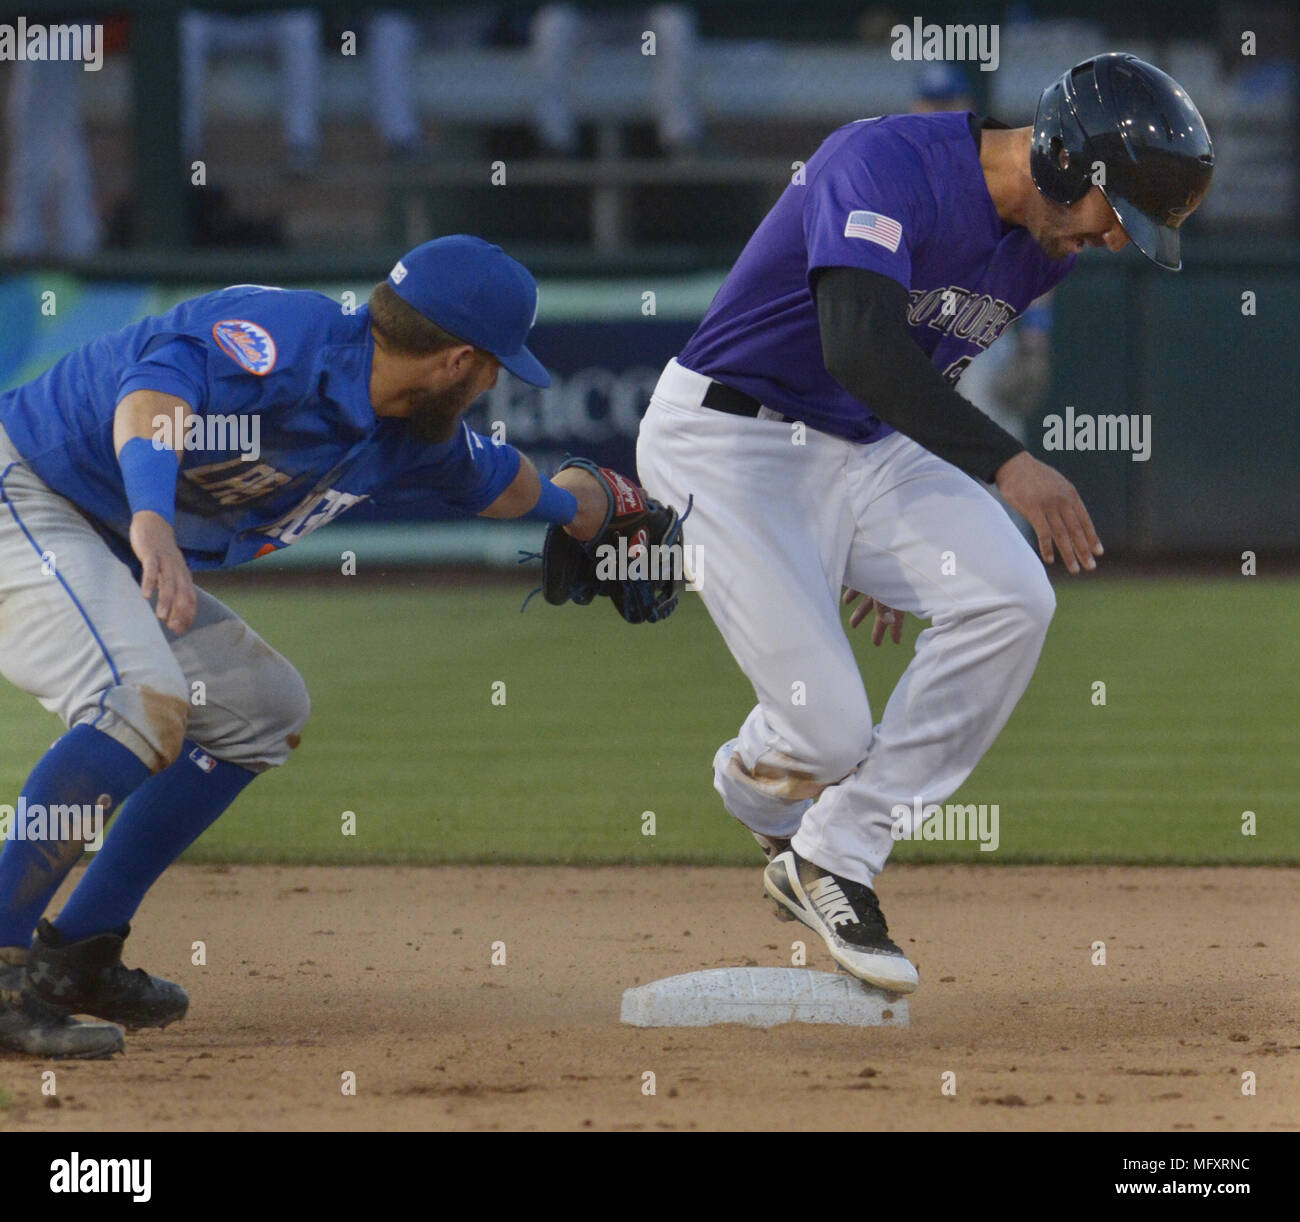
x=813 y=416
x=227 y=428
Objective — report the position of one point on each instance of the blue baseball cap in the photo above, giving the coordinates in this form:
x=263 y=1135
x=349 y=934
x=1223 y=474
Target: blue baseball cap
x=478 y=293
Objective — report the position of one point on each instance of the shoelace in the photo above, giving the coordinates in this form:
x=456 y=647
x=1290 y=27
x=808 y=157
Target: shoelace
x=524 y=558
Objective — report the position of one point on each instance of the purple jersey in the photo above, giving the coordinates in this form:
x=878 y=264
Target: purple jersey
x=902 y=195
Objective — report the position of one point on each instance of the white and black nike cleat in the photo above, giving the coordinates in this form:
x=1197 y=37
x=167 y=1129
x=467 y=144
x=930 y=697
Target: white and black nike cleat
x=846 y=914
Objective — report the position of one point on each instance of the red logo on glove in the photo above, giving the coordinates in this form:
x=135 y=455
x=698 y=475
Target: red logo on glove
x=628 y=498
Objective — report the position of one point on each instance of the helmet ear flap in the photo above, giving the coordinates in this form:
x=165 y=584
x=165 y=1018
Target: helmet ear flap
x=1058 y=161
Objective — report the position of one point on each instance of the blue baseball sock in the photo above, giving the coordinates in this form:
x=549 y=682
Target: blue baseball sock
x=81 y=769
x=166 y=815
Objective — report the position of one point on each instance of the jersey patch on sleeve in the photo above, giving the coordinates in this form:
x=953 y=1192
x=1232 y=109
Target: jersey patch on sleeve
x=248 y=345
x=883 y=230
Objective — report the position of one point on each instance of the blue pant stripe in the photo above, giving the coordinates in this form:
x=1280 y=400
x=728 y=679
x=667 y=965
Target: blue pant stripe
x=76 y=602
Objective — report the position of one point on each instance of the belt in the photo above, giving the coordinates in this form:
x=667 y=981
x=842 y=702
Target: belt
x=727 y=399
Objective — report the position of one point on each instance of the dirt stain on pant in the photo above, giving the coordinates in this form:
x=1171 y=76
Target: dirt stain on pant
x=168 y=717
x=789 y=785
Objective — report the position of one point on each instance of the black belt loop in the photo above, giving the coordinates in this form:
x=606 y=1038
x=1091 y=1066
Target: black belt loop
x=727 y=399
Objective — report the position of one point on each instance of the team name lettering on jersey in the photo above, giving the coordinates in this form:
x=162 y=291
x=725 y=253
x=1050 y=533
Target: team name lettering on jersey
x=235 y=482
x=952 y=310
x=315 y=511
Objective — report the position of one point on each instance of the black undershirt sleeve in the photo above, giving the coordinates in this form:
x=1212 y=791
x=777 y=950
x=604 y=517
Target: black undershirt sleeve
x=869 y=351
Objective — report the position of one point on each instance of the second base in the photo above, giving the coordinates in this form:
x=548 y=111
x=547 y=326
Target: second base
x=761 y=997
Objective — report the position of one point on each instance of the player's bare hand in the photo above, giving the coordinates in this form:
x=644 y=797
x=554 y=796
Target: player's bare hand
x=593 y=502
x=163 y=570
x=1050 y=504
x=887 y=618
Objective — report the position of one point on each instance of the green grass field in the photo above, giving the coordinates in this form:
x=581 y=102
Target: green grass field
x=603 y=722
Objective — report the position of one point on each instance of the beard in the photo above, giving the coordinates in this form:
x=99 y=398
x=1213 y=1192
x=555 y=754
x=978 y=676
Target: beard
x=1056 y=247
x=435 y=414
x=1049 y=232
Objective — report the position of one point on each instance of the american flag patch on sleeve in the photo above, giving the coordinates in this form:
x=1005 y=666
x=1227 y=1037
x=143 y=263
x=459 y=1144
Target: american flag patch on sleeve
x=883 y=230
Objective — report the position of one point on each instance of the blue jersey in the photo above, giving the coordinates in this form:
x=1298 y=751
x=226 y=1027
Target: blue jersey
x=286 y=441
x=904 y=196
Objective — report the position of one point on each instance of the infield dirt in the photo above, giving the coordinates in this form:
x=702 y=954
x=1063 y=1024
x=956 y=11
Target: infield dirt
x=386 y=973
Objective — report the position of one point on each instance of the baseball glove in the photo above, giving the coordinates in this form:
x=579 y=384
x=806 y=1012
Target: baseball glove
x=635 y=559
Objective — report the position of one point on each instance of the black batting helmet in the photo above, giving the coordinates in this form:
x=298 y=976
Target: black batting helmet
x=1148 y=137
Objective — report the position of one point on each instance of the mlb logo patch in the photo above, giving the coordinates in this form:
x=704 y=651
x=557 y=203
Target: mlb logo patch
x=871 y=226
x=201 y=759
x=248 y=345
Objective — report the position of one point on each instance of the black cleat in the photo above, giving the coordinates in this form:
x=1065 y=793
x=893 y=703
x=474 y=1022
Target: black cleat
x=846 y=914
x=87 y=977
x=29 y=1026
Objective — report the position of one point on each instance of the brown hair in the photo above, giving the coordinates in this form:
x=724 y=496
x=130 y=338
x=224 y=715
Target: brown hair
x=404 y=329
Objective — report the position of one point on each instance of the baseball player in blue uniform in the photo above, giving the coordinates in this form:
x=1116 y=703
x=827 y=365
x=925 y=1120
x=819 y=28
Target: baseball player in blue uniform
x=813 y=416
x=227 y=428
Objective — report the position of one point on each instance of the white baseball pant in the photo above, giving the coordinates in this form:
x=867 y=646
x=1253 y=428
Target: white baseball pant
x=783 y=517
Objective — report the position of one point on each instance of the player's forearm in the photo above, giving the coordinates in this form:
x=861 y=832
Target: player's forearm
x=869 y=351
x=518 y=496
x=148 y=435
x=522 y=496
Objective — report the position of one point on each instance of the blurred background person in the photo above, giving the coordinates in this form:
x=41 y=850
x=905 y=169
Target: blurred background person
x=393 y=40
x=51 y=192
x=296 y=37
x=559 y=33
x=388 y=43
x=942 y=86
